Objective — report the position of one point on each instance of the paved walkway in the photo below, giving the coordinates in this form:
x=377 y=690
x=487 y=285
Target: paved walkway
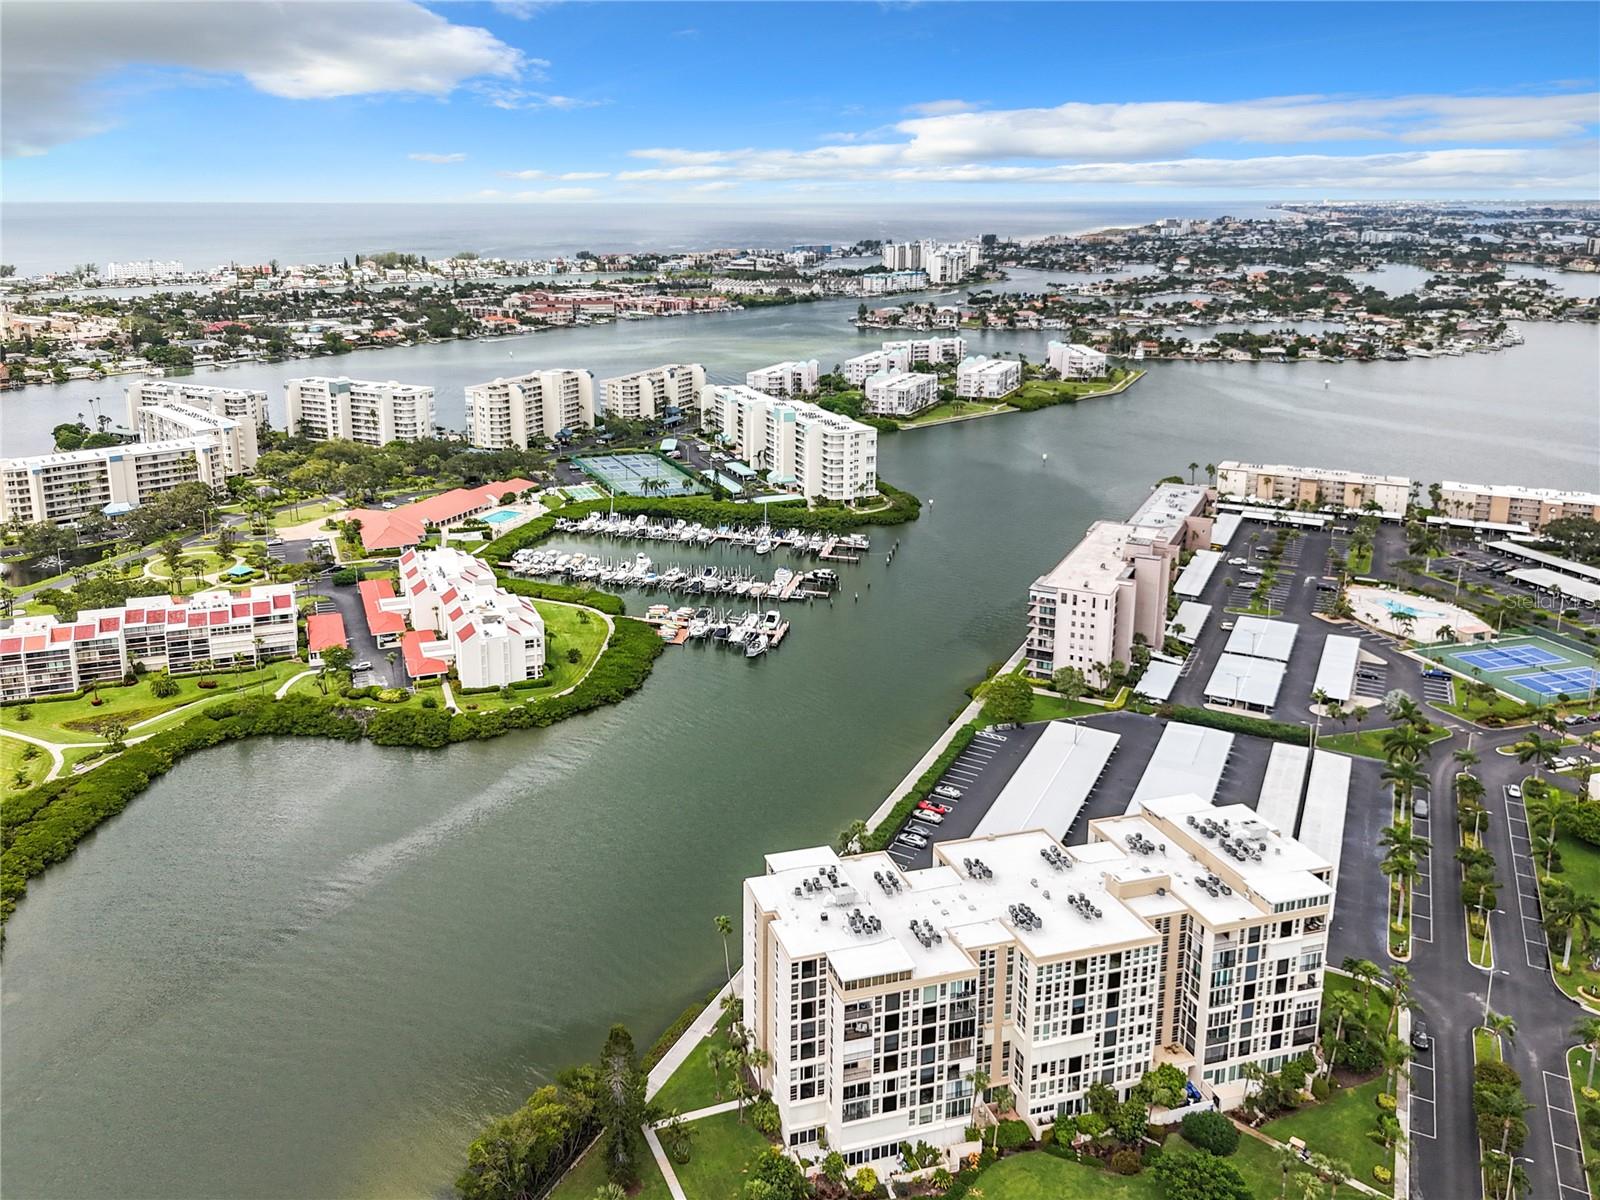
x=680 y=1050
x=53 y=749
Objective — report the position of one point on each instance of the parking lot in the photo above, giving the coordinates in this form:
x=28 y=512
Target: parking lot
x=979 y=773
x=1526 y=918
x=1485 y=568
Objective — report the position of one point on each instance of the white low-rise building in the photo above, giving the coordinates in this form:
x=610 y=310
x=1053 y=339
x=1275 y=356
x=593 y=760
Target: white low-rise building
x=529 y=409
x=69 y=483
x=368 y=411
x=785 y=379
x=1071 y=360
x=863 y=367
x=817 y=452
x=907 y=354
x=1182 y=933
x=901 y=393
x=461 y=616
x=984 y=378
x=43 y=656
x=1314 y=487
x=647 y=395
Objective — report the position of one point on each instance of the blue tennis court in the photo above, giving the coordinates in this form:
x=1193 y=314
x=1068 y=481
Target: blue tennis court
x=1576 y=681
x=1503 y=658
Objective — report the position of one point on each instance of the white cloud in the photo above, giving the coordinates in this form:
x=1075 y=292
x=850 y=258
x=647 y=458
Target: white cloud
x=574 y=176
x=422 y=156
x=940 y=108
x=519 y=98
x=720 y=185
x=56 y=57
x=1197 y=144
x=559 y=195
x=530 y=174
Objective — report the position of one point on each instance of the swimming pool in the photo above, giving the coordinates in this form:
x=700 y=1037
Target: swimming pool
x=502 y=514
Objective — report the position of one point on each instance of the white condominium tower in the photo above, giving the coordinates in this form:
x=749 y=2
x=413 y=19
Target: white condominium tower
x=1085 y=611
x=1073 y=360
x=901 y=393
x=1314 y=487
x=529 y=409
x=984 y=378
x=58 y=487
x=821 y=453
x=903 y=356
x=785 y=378
x=248 y=406
x=646 y=395
x=1180 y=933
x=359 y=410
x=169 y=422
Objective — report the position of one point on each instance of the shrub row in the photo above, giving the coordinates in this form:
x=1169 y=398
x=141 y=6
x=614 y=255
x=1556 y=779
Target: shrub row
x=829 y=518
x=606 y=602
x=1280 y=731
x=878 y=837
x=41 y=827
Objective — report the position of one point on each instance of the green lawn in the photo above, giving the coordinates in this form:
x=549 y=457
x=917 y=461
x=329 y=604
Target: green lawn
x=12 y=760
x=1338 y=1127
x=1051 y=708
x=1476 y=710
x=198 y=562
x=953 y=408
x=1365 y=743
x=74 y=720
x=721 y=1150
x=1578 y=1067
x=1580 y=870
x=1040 y=1176
x=565 y=628
x=306 y=512
x=589 y=1176
x=692 y=1085
x=1485 y=1046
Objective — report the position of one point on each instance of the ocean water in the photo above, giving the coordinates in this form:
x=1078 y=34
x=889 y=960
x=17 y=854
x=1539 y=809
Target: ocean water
x=52 y=237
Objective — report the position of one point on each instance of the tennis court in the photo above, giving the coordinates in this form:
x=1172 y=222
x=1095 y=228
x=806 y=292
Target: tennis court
x=634 y=474
x=583 y=491
x=1530 y=667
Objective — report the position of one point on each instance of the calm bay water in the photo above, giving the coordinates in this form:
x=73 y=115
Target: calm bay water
x=295 y=969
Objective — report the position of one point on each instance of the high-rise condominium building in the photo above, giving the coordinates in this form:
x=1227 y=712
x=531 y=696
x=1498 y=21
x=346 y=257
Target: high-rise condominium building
x=359 y=410
x=529 y=409
x=647 y=395
x=1085 y=611
x=785 y=378
x=61 y=486
x=248 y=406
x=1180 y=933
x=1313 y=487
x=167 y=422
x=800 y=445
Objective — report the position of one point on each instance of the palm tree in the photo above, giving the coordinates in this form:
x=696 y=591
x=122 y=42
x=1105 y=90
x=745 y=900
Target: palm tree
x=979 y=1079
x=1394 y=1054
x=1398 y=839
x=1211 y=473
x=1334 y=1171
x=1501 y=1025
x=1400 y=989
x=1193 y=467
x=1504 y=1106
x=1553 y=809
x=1540 y=751
x=1405 y=742
x=1343 y=1006
x=1402 y=871
x=724 y=925
x=1405 y=778
x=1567 y=911
x=1466 y=758
x=1588 y=1028
x=1365 y=972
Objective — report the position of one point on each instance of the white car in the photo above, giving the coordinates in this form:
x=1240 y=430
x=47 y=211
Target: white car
x=932 y=818
x=363 y=665
x=1250 y=571
x=1514 y=790
x=1237 y=562
x=948 y=792
x=912 y=839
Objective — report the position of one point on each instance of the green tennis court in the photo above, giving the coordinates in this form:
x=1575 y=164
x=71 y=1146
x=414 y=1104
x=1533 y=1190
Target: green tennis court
x=1528 y=666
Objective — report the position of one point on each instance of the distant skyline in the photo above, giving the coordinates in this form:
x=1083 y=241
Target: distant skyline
x=793 y=104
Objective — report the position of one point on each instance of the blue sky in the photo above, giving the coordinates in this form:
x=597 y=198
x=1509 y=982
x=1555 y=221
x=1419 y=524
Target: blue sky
x=391 y=100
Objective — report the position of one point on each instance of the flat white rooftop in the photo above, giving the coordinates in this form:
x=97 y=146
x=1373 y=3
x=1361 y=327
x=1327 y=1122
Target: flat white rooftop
x=1240 y=679
x=1327 y=795
x=1553 y=581
x=1049 y=789
x=1518 y=492
x=1223 y=529
x=1336 y=671
x=1258 y=637
x=1168 y=507
x=1554 y=562
x=1188 y=760
x=1159 y=678
x=1279 y=805
x=1192 y=615
x=1193 y=579
x=1095 y=564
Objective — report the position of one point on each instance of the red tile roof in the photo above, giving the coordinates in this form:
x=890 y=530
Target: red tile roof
x=379 y=622
x=418 y=664
x=324 y=630
x=396 y=528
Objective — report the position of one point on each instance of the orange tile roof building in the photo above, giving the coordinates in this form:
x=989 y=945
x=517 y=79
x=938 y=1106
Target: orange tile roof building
x=405 y=526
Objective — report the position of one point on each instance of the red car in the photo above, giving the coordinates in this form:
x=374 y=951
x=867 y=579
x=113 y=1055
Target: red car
x=930 y=806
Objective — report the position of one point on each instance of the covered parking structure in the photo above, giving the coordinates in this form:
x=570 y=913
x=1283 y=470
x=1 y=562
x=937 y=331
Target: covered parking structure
x=1244 y=682
x=1048 y=791
x=1258 y=637
x=1188 y=758
x=1285 y=783
x=1327 y=796
x=1194 y=577
x=1192 y=617
x=1557 y=584
x=1159 y=678
x=1336 y=671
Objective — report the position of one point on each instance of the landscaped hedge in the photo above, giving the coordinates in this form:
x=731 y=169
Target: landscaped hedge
x=1280 y=731
x=903 y=506
x=606 y=602
x=878 y=837
x=42 y=826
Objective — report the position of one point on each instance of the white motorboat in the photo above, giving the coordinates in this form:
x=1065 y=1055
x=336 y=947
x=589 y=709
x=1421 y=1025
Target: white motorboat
x=756 y=646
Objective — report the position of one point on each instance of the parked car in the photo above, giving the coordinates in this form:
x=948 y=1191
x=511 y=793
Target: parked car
x=930 y=806
x=932 y=818
x=1514 y=790
x=1238 y=562
x=912 y=839
x=1420 y=809
x=1420 y=1039
x=1251 y=571
x=948 y=792
x=1227 y=625
x=363 y=665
